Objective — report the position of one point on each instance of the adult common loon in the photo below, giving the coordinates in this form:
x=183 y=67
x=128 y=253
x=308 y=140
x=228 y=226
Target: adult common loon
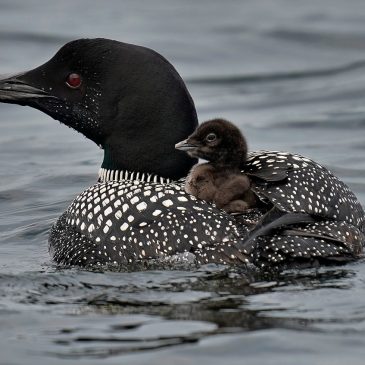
x=131 y=101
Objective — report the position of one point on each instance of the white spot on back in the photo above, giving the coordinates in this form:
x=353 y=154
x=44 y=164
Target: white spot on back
x=167 y=203
x=141 y=206
x=124 y=226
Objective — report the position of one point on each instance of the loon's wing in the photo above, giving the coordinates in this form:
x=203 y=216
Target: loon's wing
x=268 y=175
x=310 y=191
x=309 y=188
x=274 y=219
x=267 y=167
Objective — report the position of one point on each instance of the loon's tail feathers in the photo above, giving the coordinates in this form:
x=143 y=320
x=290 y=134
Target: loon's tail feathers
x=319 y=242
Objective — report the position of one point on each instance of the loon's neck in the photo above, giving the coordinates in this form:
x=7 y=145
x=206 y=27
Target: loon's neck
x=119 y=175
x=155 y=157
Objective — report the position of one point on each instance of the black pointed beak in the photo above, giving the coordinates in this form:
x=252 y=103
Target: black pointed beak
x=185 y=145
x=15 y=91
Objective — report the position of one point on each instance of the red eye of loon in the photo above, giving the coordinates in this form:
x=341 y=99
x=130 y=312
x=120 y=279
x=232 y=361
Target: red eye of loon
x=73 y=80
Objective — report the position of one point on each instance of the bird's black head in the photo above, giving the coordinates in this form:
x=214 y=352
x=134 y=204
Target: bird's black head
x=217 y=141
x=127 y=99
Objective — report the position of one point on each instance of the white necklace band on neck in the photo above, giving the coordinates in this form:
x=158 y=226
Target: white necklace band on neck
x=118 y=175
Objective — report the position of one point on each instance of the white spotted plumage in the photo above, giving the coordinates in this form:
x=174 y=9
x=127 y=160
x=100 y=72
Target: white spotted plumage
x=123 y=221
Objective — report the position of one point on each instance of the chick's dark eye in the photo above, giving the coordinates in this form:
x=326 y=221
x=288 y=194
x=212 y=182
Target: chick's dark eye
x=73 y=80
x=211 y=137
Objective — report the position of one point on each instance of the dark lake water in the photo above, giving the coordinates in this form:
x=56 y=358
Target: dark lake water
x=291 y=74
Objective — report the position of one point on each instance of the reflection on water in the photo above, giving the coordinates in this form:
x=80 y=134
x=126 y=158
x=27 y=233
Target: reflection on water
x=292 y=75
x=88 y=316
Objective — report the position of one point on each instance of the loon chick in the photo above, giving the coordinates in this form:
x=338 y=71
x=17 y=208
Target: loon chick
x=220 y=181
x=131 y=101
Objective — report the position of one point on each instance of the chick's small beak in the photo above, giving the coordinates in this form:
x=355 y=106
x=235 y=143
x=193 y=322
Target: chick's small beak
x=185 y=145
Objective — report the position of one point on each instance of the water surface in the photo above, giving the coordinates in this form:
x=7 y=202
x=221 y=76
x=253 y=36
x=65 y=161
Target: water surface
x=291 y=74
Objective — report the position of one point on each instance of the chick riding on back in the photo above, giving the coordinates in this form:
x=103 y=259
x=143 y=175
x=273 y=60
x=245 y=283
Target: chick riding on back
x=220 y=180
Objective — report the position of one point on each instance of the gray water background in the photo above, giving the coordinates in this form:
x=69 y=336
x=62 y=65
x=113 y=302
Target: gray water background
x=291 y=74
